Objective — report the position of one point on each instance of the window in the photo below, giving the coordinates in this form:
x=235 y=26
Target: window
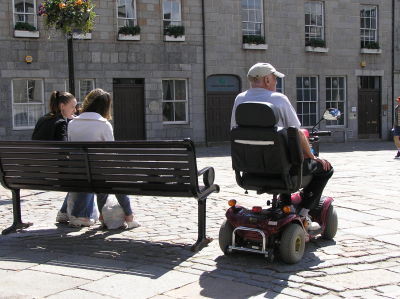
x=279 y=85
x=126 y=12
x=27 y=97
x=172 y=13
x=307 y=98
x=84 y=87
x=252 y=17
x=175 y=102
x=25 y=12
x=368 y=26
x=336 y=98
x=314 y=21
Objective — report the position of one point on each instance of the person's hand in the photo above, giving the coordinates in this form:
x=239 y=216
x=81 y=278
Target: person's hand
x=325 y=163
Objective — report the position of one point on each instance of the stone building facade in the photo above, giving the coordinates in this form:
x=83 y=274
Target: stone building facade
x=167 y=87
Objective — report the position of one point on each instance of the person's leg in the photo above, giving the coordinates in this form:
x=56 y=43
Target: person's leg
x=101 y=201
x=62 y=216
x=64 y=205
x=313 y=191
x=125 y=203
x=83 y=204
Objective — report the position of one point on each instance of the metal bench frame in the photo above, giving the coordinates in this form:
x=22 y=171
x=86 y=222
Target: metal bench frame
x=151 y=168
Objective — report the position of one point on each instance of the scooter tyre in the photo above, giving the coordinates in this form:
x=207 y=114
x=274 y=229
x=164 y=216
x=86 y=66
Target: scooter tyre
x=292 y=245
x=225 y=236
x=331 y=224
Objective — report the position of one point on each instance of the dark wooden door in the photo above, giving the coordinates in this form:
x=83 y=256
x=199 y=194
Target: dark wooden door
x=368 y=114
x=128 y=108
x=219 y=109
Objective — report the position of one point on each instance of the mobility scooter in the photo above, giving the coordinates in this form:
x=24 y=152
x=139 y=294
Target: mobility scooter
x=268 y=159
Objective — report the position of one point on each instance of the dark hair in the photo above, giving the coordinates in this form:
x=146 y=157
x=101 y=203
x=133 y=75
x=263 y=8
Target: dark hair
x=56 y=98
x=98 y=101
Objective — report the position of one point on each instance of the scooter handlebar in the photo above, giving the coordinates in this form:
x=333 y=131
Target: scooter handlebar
x=321 y=133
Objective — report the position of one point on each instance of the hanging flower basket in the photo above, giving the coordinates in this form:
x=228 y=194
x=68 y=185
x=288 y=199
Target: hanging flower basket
x=68 y=15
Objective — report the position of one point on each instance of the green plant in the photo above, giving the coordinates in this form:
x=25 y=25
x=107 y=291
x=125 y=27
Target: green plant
x=253 y=39
x=316 y=42
x=24 y=26
x=129 y=30
x=68 y=15
x=174 y=30
x=370 y=45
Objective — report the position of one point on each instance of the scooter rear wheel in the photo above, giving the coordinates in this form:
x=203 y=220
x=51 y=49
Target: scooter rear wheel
x=331 y=224
x=291 y=248
x=225 y=236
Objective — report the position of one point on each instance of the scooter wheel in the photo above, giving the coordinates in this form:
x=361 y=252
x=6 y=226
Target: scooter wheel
x=331 y=224
x=225 y=236
x=292 y=245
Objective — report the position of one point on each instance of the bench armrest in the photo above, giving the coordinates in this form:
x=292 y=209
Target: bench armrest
x=208 y=174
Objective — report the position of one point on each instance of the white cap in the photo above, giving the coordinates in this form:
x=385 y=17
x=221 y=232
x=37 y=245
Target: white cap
x=263 y=69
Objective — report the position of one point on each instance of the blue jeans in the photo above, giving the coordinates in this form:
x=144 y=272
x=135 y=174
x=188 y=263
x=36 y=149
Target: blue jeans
x=83 y=204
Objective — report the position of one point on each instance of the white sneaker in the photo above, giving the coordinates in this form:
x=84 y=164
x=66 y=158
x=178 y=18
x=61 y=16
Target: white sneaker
x=80 y=221
x=133 y=224
x=62 y=217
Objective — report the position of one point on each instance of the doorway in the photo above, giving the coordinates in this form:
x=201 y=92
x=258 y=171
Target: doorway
x=369 y=103
x=221 y=93
x=128 y=107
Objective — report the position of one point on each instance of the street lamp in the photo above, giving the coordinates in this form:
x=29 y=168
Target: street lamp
x=68 y=15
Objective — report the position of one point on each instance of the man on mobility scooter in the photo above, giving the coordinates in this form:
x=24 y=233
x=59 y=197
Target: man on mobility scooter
x=269 y=129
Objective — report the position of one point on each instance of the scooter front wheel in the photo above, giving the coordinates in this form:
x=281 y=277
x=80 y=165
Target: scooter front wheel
x=331 y=224
x=225 y=236
x=292 y=245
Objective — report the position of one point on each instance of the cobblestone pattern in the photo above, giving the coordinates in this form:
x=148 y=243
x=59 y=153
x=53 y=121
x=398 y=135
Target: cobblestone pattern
x=154 y=260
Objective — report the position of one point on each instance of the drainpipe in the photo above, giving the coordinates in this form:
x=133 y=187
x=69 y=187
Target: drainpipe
x=205 y=69
x=393 y=45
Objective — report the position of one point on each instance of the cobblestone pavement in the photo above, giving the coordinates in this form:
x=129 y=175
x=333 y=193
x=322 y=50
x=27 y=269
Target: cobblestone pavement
x=154 y=261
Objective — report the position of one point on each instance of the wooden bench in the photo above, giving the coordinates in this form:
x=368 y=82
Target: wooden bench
x=154 y=168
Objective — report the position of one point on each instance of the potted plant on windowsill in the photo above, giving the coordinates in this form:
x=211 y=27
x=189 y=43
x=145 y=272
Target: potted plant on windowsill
x=254 y=42
x=370 y=48
x=23 y=29
x=316 y=45
x=174 y=33
x=129 y=33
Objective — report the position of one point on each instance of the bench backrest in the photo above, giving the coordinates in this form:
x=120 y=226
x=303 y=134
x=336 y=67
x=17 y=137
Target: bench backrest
x=127 y=167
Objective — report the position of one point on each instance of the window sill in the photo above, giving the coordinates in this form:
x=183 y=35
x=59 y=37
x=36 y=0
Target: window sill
x=25 y=33
x=169 y=123
x=171 y=38
x=255 y=46
x=370 y=51
x=76 y=35
x=128 y=37
x=316 y=49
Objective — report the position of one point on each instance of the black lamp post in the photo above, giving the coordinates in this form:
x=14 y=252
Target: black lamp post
x=71 y=73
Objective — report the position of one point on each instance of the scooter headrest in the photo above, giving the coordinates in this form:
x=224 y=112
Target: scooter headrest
x=256 y=114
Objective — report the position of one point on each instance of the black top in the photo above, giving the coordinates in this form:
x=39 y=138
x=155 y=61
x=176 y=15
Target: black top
x=50 y=127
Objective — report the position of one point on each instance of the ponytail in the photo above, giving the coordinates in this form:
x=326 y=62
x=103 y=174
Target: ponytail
x=56 y=98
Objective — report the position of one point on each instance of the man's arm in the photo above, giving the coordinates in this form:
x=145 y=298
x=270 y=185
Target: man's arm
x=305 y=146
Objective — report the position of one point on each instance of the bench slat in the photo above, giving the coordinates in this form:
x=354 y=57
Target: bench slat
x=134 y=170
x=26 y=162
x=142 y=157
x=148 y=164
x=65 y=176
x=140 y=178
x=55 y=169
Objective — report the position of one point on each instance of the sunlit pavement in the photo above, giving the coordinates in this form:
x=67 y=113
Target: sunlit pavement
x=154 y=261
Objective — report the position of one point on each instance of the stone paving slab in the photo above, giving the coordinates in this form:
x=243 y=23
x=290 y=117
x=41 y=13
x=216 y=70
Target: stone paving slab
x=154 y=261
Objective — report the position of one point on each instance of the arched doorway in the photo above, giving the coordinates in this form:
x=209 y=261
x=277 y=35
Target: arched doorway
x=221 y=93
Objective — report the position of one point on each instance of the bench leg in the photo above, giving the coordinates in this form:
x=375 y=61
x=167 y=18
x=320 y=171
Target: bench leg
x=17 y=224
x=202 y=239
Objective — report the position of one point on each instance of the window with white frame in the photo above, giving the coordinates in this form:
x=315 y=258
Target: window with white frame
x=279 y=85
x=25 y=12
x=27 y=102
x=175 y=101
x=252 y=17
x=172 y=15
x=368 y=26
x=84 y=87
x=307 y=100
x=126 y=13
x=336 y=97
x=314 y=21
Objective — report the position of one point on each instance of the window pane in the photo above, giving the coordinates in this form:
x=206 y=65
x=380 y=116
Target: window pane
x=180 y=111
x=85 y=86
x=168 y=111
x=180 y=90
x=29 y=6
x=168 y=90
x=19 y=91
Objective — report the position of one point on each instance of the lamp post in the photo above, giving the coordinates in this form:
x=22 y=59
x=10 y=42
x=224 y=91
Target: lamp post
x=68 y=15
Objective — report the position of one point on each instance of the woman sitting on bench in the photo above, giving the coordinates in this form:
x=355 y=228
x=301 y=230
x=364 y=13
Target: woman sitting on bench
x=92 y=125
